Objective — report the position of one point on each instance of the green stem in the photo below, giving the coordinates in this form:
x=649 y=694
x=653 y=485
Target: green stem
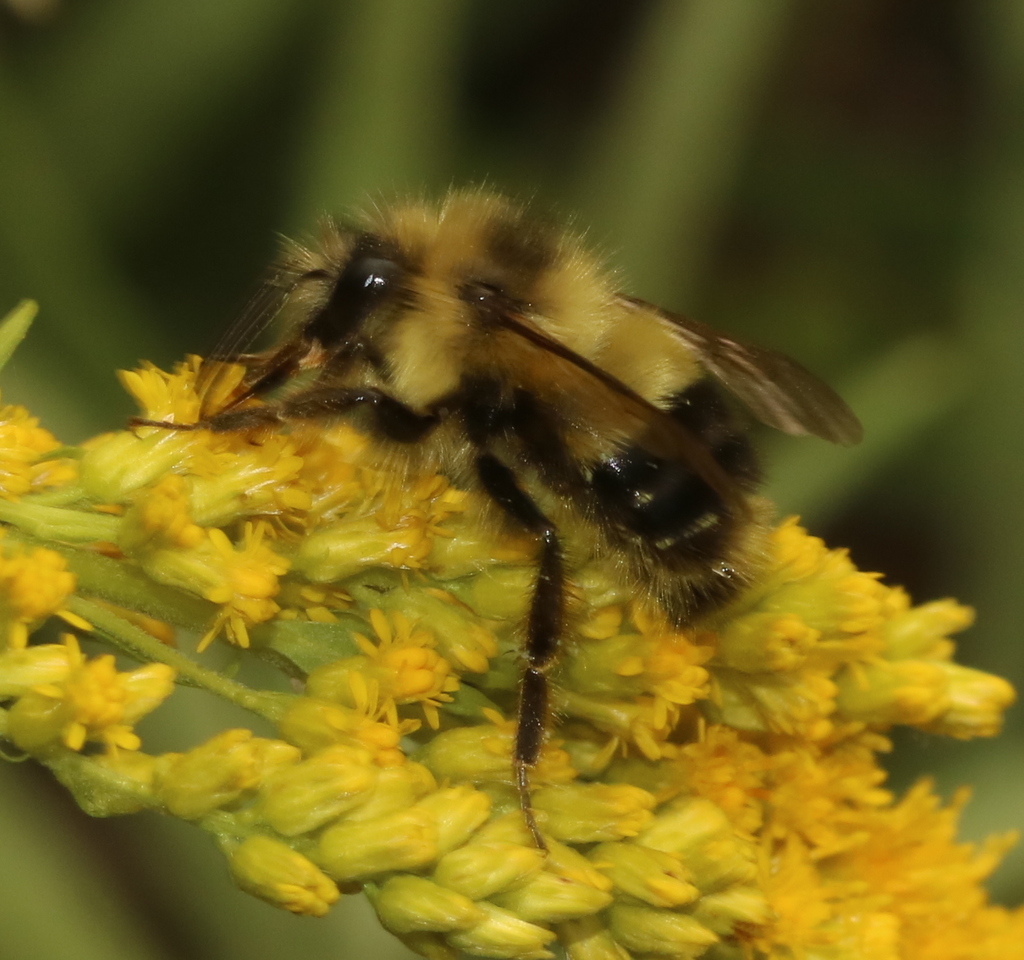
x=57 y=523
x=140 y=645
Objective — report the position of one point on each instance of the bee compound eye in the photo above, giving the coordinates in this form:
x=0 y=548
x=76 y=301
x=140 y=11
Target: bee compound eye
x=365 y=283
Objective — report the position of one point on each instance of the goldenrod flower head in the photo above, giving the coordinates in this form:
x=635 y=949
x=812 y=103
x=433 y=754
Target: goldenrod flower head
x=34 y=583
x=710 y=791
x=92 y=701
x=24 y=464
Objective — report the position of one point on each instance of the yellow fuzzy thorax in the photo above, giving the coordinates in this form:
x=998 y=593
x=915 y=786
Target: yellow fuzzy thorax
x=708 y=792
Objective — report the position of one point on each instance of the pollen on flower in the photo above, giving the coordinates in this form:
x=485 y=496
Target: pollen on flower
x=24 y=445
x=165 y=396
x=34 y=584
x=92 y=702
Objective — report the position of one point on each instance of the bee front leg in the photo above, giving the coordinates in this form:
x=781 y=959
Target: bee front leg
x=545 y=624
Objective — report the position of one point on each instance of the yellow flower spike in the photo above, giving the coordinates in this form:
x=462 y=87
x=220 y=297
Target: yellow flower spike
x=408 y=904
x=34 y=584
x=298 y=799
x=503 y=935
x=217 y=772
x=589 y=939
x=278 y=874
x=458 y=812
x=643 y=930
x=736 y=751
x=592 y=812
x=480 y=870
x=652 y=876
x=364 y=849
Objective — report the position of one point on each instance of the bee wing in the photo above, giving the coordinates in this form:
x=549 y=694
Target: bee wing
x=774 y=387
x=219 y=385
x=647 y=425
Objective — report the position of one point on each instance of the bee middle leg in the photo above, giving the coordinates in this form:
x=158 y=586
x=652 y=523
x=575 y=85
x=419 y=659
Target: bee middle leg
x=545 y=624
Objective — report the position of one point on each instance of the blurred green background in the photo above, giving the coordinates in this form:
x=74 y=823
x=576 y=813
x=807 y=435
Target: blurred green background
x=843 y=181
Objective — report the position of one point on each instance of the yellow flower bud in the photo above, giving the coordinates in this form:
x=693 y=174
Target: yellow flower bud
x=480 y=870
x=591 y=812
x=700 y=835
x=300 y=798
x=589 y=939
x=360 y=850
x=722 y=911
x=278 y=874
x=313 y=725
x=551 y=898
x=885 y=692
x=976 y=703
x=23 y=669
x=765 y=642
x=653 y=876
x=398 y=788
x=36 y=723
x=217 y=772
x=457 y=812
x=922 y=631
x=408 y=904
x=504 y=936
x=644 y=930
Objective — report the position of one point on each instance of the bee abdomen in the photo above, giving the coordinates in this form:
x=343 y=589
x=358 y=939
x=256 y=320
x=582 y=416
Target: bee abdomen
x=664 y=502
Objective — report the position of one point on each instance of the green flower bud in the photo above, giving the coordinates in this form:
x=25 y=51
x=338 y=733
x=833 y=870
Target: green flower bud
x=364 y=849
x=480 y=870
x=660 y=933
x=504 y=936
x=276 y=873
x=653 y=876
x=591 y=812
x=301 y=798
x=408 y=904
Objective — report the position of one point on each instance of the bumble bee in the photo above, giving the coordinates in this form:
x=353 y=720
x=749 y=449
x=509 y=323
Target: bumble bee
x=489 y=345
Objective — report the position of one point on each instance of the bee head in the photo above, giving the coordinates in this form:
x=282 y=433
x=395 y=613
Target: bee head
x=370 y=277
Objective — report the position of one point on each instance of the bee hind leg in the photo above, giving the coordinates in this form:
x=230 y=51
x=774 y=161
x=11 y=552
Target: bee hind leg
x=544 y=627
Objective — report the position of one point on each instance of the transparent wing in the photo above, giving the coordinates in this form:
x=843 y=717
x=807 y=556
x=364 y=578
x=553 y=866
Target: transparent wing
x=774 y=387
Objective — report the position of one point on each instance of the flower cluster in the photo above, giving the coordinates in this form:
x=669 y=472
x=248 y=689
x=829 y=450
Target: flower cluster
x=704 y=792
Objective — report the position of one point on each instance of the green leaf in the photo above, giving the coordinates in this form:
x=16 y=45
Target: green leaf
x=13 y=328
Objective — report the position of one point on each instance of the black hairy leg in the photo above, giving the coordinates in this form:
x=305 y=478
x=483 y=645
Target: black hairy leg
x=391 y=418
x=544 y=626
